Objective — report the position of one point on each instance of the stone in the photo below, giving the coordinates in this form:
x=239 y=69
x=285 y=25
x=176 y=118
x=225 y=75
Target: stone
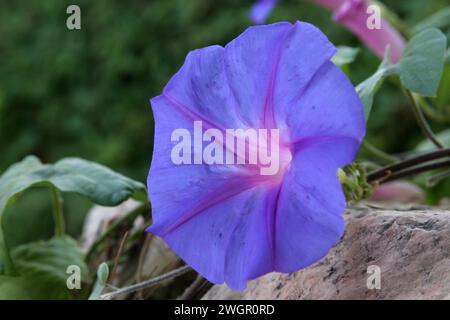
x=409 y=244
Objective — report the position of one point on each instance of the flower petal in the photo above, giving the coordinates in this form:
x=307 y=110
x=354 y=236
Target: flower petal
x=308 y=220
x=200 y=87
x=251 y=62
x=227 y=242
x=305 y=50
x=271 y=65
x=202 y=210
x=329 y=106
x=175 y=188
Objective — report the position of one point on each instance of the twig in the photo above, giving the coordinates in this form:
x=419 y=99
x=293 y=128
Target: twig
x=416 y=170
x=196 y=290
x=119 y=253
x=128 y=217
x=433 y=155
x=148 y=283
x=144 y=249
x=141 y=260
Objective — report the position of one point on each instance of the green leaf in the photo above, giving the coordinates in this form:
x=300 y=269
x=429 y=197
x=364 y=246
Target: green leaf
x=96 y=182
x=369 y=87
x=344 y=55
x=422 y=62
x=42 y=267
x=100 y=283
x=49 y=259
x=16 y=288
x=440 y=19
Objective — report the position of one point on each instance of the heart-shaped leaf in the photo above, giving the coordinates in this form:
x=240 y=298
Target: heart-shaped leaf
x=49 y=259
x=94 y=181
x=42 y=268
x=422 y=62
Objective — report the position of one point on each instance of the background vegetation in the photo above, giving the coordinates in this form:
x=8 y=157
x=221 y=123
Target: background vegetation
x=85 y=93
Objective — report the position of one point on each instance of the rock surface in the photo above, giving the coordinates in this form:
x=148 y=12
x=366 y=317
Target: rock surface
x=410 y=245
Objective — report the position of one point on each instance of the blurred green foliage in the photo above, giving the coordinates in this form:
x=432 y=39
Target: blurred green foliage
x=86 y=92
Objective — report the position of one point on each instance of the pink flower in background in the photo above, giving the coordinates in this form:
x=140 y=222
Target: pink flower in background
x=398 y=191
x=353 y=15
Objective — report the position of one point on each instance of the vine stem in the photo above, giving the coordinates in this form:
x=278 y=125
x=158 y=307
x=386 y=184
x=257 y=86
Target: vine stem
x=376 y=152
x=423 y=124
x=417 y=169
x=414 y=161
x=10 y=268
x=430 y=112
x=434 y=180
x=147 y=283
x=58 y=214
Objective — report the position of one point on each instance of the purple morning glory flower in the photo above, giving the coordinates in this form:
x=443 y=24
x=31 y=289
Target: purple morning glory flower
x=261 y=10
x=228 y=221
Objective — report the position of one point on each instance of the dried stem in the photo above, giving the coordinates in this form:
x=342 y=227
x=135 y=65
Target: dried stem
x=118 y=255
x=416 y=170
x=411 y=162
x=196 y=290
x=148 y=283
x=143 y=208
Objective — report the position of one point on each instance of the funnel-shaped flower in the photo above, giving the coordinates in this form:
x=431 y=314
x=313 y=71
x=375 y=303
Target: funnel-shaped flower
x=230 y=221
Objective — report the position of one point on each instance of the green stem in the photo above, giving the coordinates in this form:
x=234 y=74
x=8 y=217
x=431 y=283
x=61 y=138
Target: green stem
x=422 y=122
x=147 y=283
x=58 y=215
x=430 y=111
x=378 y=153
x=434 y=180
x=10 y=269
